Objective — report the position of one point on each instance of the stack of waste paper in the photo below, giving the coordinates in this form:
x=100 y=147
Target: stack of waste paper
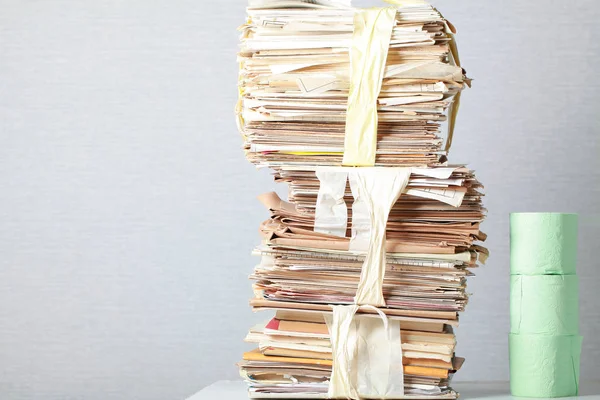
x=365 y=265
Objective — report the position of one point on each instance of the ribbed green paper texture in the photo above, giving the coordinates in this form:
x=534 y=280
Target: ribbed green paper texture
x=544 y=343
x=543 y=243
x=544 y=366
x=544 y=304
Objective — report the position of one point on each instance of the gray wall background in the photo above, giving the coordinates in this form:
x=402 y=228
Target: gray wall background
x=128 y=212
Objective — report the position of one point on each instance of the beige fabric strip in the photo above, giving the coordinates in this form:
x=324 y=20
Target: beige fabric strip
x=367 y=354
x=375 y=191
x=370 y=43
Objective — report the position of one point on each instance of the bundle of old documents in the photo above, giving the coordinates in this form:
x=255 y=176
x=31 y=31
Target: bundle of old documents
x=363 y=267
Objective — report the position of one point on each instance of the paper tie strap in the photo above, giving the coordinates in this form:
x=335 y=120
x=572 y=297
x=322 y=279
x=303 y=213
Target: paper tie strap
x=367 y=354
x=368 y=55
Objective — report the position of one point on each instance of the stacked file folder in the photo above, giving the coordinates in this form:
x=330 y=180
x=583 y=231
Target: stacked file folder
x=319 y=246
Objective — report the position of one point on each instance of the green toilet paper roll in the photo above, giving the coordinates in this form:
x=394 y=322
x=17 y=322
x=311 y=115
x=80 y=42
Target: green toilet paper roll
x=544 y=304
x=544 y=366
x=543 y=243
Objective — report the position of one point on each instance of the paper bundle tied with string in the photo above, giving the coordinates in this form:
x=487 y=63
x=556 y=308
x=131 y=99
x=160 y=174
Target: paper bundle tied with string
x=365 y=264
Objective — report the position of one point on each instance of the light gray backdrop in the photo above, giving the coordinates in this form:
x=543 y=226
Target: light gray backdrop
x=128 y=212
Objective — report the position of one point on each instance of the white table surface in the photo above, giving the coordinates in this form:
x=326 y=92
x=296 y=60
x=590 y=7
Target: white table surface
x=236 y=390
